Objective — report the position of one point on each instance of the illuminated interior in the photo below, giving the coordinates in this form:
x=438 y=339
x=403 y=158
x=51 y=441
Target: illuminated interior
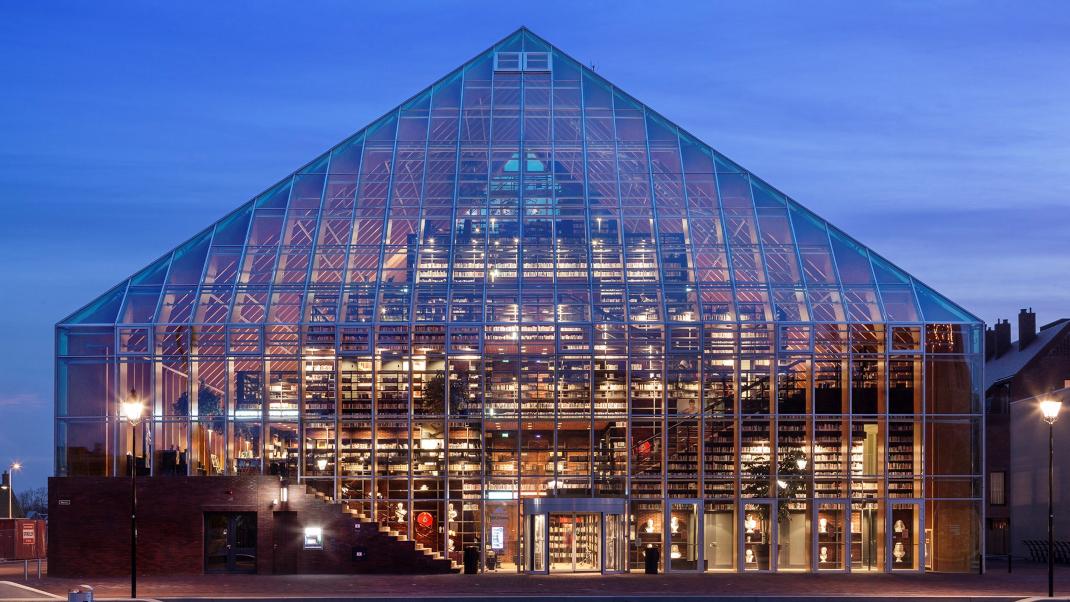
x=524 y=283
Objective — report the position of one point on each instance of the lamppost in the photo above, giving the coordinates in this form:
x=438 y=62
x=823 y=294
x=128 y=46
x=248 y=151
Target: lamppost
x=132 y=409
x=1050 y=409
x=11 y=487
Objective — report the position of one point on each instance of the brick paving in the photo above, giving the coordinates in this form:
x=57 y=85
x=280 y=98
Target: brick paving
x=1027 y=580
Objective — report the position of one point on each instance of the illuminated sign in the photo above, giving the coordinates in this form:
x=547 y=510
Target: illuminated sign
x=313 y=538
x=497 y=538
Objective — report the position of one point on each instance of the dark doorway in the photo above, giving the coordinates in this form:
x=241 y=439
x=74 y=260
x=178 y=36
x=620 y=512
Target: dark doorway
x=287 y=543
x=230 y=542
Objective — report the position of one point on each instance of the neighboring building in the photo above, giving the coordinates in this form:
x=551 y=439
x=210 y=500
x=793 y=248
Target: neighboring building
x=1028 y=476
x=525 y=312
x=1038 y=362
x=7 y=496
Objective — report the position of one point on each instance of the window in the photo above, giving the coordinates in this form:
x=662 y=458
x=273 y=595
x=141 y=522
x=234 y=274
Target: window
x=997 y=489
x=536 y=61
x=507 y=61
x=522 y=61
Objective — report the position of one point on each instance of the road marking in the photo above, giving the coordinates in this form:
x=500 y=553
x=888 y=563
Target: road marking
x=30 y=589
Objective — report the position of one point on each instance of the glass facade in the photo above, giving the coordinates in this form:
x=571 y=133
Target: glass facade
x=524 y=283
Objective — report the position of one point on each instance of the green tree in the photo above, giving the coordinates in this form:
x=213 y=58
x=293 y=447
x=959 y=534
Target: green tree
x=435 y=397
x=789 y=483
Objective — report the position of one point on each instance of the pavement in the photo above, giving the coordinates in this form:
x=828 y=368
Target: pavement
x=10 y=590
x=1027 y=580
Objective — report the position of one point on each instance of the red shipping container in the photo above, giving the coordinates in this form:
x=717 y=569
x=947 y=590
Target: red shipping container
x=22 y=539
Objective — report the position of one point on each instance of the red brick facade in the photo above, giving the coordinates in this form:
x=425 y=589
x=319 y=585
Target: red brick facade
x=89 y=528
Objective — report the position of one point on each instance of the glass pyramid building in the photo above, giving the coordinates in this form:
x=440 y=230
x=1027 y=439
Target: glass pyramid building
x=529 y=306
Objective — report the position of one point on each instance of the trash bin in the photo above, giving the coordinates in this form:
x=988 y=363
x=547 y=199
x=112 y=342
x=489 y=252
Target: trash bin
x=651 y=556
x=84 y=593
x=471 y=560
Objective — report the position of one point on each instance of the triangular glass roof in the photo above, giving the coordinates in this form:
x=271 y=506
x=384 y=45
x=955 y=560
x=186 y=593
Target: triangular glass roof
x=434 y=196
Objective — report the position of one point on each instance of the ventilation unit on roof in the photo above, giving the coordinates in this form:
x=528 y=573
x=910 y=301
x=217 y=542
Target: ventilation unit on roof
x=522 y=61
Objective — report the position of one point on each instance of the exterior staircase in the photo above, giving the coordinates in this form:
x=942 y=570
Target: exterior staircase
x=407 y=555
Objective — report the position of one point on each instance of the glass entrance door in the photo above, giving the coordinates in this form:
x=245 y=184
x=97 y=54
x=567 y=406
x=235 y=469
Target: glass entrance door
x=562 y=538
x=615 y=542
x=683 y=534
x=867 y=551
x=536 y=546
x=575 y=542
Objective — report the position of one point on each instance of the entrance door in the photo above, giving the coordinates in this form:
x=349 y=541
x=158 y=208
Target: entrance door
x=575 y=542
x=615 y=543
x=867 y=536
x=536 y=543
x=683 y=534
x=230 y=542
x=288 y=541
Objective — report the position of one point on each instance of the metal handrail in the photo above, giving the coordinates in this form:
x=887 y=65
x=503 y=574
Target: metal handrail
x=25 y=566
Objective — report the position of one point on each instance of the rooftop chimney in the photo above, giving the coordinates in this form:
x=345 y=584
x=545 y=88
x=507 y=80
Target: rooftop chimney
x=1027 y=328
x=990 y=343
x=1003 y=337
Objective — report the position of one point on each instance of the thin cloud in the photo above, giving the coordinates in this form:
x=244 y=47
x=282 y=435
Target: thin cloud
x=21 y=400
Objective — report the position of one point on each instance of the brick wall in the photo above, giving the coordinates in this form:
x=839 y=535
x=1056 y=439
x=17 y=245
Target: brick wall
x=89 y=528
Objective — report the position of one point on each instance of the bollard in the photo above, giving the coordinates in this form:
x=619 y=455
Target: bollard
x=651 y=558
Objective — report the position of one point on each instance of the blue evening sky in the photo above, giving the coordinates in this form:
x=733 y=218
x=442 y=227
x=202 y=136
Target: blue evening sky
x=937 y=133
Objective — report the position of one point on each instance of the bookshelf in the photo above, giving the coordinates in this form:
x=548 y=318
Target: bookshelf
x=719 y=443
x=355 y=391
x=319 y=387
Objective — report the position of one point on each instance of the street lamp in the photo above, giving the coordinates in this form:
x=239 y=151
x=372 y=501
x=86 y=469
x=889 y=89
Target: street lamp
x=11 y=487
x=132 y=409
x=1049 y=408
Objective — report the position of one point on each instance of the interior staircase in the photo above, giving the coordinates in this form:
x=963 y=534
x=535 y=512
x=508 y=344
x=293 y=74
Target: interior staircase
x=424 y=559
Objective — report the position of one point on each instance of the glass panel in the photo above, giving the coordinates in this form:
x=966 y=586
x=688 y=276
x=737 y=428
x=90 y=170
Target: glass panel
x=537 y=544
x=793 y=537
x=562 y=535
x=683 y=537
x=905 y=530
x=719 y=536
x=831 y=536
x=757 y=536
x=867 y=549
x=615 y=542
x=646 y=532
x=502 y=547
x=587 y=551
